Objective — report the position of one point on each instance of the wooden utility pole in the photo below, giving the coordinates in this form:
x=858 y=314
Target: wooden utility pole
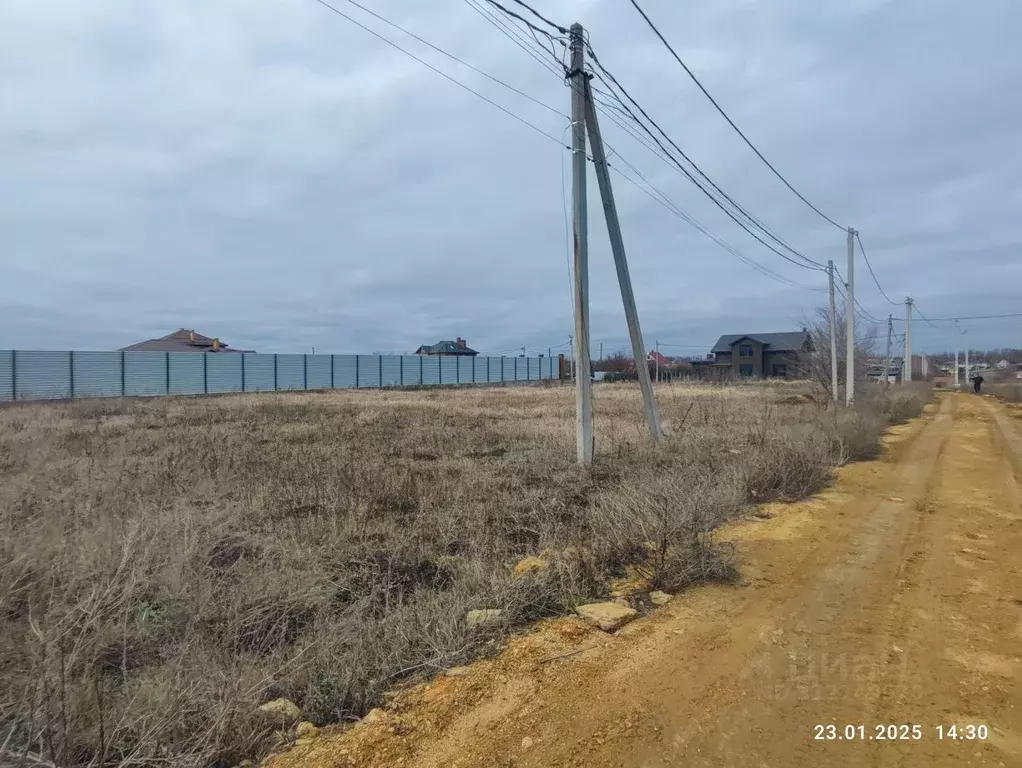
x=583 y=362
x=833 y=335
x=617 y=245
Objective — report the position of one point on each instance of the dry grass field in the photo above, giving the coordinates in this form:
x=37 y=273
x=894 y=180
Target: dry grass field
x=168 y=565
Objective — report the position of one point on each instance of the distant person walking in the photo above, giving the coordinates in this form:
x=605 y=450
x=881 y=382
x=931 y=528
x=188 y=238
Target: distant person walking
x=977 y=382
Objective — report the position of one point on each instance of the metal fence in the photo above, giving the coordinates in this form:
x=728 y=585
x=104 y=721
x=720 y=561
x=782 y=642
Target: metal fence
x=63 y=375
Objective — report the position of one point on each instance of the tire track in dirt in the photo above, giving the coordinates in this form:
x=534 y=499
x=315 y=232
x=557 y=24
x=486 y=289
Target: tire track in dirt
x=892 y=598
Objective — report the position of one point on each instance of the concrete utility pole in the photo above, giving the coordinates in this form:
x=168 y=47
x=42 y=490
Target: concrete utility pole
x=906 y=373
x=958 y=343
x=617 y=246
x=833 y=334
x=657 y=361
x=601 y=351
x=968 y=373
x=571 y=357
x=887 y=360
x=583 y=361
x=850 y=322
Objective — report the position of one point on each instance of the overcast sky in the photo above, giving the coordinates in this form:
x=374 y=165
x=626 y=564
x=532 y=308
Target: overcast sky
x=266 y=172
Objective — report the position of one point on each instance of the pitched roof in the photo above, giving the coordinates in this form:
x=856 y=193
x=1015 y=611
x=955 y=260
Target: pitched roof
x=446 y=348
x=179 y=341
x=789 y=341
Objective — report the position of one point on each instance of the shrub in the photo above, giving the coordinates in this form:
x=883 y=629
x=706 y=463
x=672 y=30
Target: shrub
x=792 y=463
x=663 y=525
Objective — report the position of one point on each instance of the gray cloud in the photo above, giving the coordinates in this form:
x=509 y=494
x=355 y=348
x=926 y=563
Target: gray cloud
x=267 y=172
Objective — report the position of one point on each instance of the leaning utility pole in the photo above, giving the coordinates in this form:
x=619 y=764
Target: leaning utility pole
x=906 y=373
x=617 y=246
x=850 y=322
x=833 y=334
x=583 y=362
x=887 y=360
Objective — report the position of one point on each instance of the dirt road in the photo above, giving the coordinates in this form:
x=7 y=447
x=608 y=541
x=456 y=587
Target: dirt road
x=895 y=598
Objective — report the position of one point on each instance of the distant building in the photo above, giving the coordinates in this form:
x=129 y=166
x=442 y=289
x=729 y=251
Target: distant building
x=447 y=348
x=182 y=340
x=762 y=355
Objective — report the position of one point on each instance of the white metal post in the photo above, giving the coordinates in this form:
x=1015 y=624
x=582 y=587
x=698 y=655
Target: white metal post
x=583 y=361
x=957 y=344
x=850 y=322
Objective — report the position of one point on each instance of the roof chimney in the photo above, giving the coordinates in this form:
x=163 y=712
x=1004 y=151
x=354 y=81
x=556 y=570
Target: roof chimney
x=462 y=343
x=216 y=345
x=191 y=336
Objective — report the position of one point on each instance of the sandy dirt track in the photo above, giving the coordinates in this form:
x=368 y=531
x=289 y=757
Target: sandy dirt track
x=893 y=598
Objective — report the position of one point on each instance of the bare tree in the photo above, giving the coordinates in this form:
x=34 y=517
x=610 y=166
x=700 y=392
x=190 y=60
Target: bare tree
x=816 y=365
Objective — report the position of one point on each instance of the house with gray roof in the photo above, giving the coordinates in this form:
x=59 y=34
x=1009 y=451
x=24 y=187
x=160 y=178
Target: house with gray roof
x=182 y=340
x=762 y=355
x=447 y=348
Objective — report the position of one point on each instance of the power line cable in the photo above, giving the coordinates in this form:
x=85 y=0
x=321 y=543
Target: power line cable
x=450 y=55
x=729 y=120
x=440 y=72
x=872 y=273
x=510 y=31
x=755 y=221
x=534 y=12
x=661 y=198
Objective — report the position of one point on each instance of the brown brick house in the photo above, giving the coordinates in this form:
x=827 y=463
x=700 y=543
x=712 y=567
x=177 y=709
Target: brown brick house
x=762 y=355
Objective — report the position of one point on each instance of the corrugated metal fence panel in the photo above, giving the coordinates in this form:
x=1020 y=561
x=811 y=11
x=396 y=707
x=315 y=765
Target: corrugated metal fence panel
x=369 y=370
x=145 y=373
x=6 y=375
x=491 y=370
x=223 y=372
x=97 y=374
x=412 y=368
x=290 y=372
x=479 y=368
x=345 y=370
x=448 y=370
x=186 y=376
x=43 y=375
x=318 y=371
x=258 y=372
x=393 y=371
x=430 y=369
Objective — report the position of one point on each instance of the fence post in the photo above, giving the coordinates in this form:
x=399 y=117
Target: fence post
x=274 y=371
x=242 y=371
x=71 y=369
x=457 y=369
x=401 y=370
x=205 y=376
x=122 y=374
x=420 y=370
x=440 y=368
x=380 y=357
x=356 y=371
x=487 y=369
x=528 y=370
x=473 y=370
x=305 y=371
x=14 y=374
x=167 y=361
x=516 y=369
x=332 y=372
